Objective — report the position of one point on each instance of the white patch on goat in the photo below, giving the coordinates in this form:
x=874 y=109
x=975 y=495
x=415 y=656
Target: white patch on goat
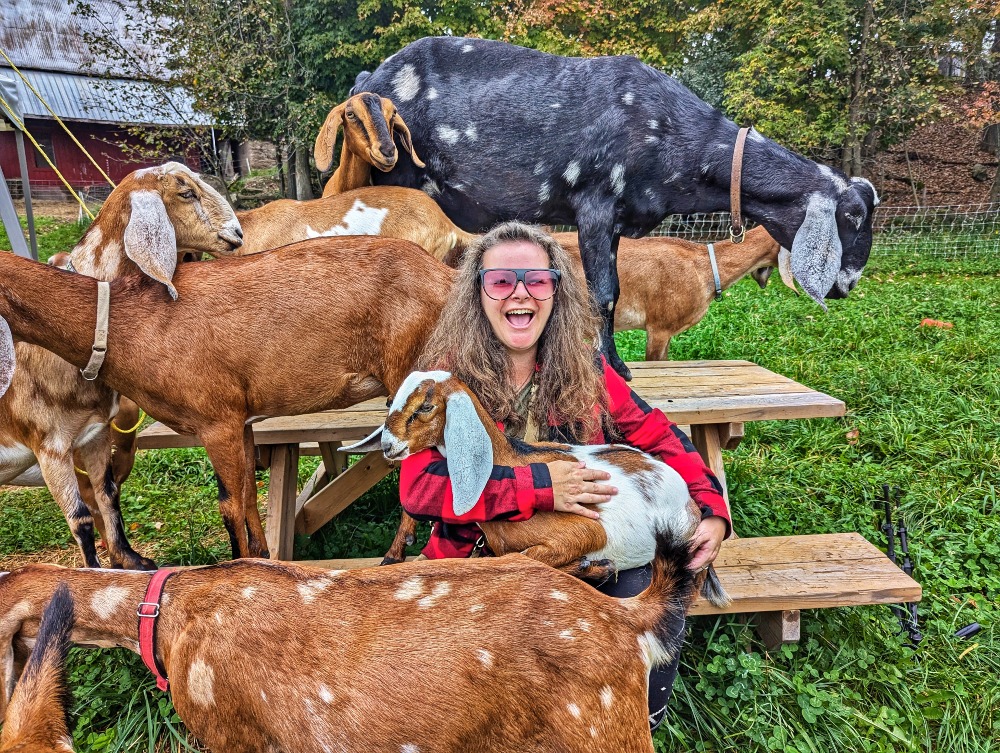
x=88 y=433
x=838 y=182
x=476 y=608
x=652 y=123
x=448 y=134
x=572 y=172
x=467 y=48
x=218 y=618
x=14 y=460
x=543 y=193
x=539 y=168
x=201 y=683
x=653 y=652
x=470 y=132
x=313 y=588
x=618 y=179
x=573 y=709
x=410 y=589
x=631 y=517
x=432 y=93
x=583 y=625
x=430 y=187
x=411 y=383
x=593 y=731
x=248 y=592
x=607 y=696
x=559 y=596
x=628 y=98
x=673 y=176
x=555 y=105
x=106 y=601
x=439 y=591
x=325 y=695
x=83 y=255
x=869 y=184
x=650 y=139
x=485 y=657
x=263 y=696
x=360 y=219
x=566 y=635
x=409 y=748
x=406 y=83
x=755 y=135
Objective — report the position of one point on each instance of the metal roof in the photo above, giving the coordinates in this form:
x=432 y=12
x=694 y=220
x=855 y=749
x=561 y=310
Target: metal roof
x=82 y=98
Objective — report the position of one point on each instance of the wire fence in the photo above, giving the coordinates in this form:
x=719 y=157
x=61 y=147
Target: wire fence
x=948 y=231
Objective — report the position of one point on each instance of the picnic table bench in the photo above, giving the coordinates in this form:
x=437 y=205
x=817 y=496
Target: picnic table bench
x=712 y=400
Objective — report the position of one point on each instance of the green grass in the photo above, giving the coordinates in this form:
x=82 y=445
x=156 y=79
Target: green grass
x=925 y=404
x=53 y=235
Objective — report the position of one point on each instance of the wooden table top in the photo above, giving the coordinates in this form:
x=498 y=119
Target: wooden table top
x=689 y=392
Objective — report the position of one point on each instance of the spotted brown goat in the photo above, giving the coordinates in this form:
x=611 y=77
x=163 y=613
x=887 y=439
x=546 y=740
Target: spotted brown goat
x=265 y=656
x=436 y=409
x=51 y=418
x=320 y=324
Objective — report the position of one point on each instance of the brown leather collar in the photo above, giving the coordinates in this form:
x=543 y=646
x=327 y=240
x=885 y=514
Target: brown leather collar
x=736 y=229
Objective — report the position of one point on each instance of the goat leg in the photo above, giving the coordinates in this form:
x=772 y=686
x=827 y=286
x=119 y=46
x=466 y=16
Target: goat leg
x=406 y=534
x=96 y=459
x=657 y=344
x=599 y=251
x=60 y=478
x=232 y=472
x=256 y=541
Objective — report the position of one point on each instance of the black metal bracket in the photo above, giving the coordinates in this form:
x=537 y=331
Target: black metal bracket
x=906 y=614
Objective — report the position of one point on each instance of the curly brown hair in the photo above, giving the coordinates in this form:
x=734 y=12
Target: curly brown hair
x=569 y=383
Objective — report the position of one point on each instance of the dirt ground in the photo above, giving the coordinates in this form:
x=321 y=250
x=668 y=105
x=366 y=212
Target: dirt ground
x=62 y=210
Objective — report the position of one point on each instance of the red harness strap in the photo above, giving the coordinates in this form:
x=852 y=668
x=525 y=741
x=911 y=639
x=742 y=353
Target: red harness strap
x=148 y=611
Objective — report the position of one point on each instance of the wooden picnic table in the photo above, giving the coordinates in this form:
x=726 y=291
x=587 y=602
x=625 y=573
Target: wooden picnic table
x=713 y=398
x=772 y=578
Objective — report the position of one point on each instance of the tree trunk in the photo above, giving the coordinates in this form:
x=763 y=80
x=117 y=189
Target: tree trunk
x=851 y=162
x=288 y=161
x=995 y=188
x=303 y=183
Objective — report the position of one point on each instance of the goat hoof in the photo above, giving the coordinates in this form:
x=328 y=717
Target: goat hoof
x=133 y=561
x=387 y=560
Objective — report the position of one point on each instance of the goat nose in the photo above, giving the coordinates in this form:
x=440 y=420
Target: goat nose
x=389 y=152
x=239 y=233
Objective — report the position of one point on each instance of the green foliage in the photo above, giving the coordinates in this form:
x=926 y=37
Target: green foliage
x=53 y=235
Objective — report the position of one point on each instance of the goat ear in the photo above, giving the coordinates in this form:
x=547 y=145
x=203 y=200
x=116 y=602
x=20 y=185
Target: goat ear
x=7 y=361
x=150 y=240
x=816 y=249
x=470 y=452
x=761 y=275
x=323 y=150
x=785 y=268
x=371 y=443
x=404 y=133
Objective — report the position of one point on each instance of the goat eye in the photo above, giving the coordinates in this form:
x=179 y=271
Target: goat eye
x=350 y=115
x=425 y=408
x=186 y=194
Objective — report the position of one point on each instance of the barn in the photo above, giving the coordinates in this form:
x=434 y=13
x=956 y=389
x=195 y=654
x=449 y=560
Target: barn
x=106 y=105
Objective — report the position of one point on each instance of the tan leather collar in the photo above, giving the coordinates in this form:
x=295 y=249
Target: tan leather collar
x=736 y=229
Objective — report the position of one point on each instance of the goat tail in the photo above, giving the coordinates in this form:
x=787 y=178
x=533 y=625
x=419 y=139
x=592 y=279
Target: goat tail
x=38 y=708
x=666 y=599
x=713 y=591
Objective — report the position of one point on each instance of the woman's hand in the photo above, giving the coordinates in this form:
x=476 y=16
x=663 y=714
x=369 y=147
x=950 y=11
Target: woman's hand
x=575 y=485
x=706 y=542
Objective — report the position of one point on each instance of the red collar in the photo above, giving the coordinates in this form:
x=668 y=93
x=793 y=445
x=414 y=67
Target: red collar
x=148 y=611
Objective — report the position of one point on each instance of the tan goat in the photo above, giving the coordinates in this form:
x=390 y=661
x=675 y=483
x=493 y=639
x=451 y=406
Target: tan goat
x=499 y=655
x=50 y=413
x=35 y=721
x=388 y=211
x=667 y=283
x=319 y=324
x=369 y=122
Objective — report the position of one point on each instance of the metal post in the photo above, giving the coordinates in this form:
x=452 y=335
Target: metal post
x=26 y=188
x=10 y=222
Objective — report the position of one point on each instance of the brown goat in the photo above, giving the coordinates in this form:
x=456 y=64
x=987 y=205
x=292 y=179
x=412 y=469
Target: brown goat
x=437 y=409
x=500 y=655
x=315 y=325
x=387 y=211
x=36 y=721
x=51 y=418
x=667 y=283
x=369 y=122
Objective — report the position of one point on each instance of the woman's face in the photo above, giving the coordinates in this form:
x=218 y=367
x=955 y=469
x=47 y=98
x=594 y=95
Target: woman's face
x=519 y=320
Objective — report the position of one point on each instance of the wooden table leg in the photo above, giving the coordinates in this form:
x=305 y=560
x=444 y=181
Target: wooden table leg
x=778 y=628
x=340 y=492
x=280 y=528
x=706 y=439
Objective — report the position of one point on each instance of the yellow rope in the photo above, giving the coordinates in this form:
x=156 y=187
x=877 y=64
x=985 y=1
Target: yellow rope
x=142 y=417
x=20 y=125
x=58 y=119
x=82 y=473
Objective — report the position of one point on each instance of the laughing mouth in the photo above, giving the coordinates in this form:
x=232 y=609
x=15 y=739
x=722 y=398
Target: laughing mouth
x=519 y=318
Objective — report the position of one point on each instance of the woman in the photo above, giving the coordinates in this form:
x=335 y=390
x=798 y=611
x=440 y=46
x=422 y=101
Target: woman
x=520 y=330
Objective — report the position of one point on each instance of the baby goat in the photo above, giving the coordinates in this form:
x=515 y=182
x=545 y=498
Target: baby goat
x=495 y=655
x=370 y=122
x=36 y=721
x=388 y=211
x=436 y=409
